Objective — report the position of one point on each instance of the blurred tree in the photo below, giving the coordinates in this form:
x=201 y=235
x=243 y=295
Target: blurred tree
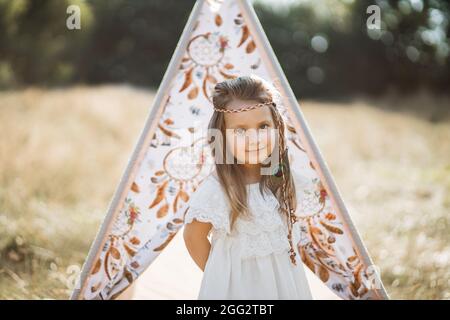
x=133 y=41
x=328 y=51
x=324 y=46
x=36 y=46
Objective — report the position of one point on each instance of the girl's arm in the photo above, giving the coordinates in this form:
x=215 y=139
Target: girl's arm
x=196 y=238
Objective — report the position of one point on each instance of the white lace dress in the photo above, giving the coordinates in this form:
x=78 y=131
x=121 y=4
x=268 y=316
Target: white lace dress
x=252 y=260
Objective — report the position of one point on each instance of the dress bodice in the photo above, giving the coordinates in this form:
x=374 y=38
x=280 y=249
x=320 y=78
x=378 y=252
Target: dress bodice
x=250 y=260
x=262 y=233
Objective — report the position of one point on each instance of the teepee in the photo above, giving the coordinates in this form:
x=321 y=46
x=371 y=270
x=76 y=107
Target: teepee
x=223 y=39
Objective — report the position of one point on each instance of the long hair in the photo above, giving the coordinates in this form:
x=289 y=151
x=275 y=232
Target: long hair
x=280 y=182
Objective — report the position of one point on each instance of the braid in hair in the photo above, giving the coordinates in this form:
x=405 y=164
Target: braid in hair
x=283 y=167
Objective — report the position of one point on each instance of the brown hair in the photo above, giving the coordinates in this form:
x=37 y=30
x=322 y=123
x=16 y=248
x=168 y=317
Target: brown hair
x=280 y=183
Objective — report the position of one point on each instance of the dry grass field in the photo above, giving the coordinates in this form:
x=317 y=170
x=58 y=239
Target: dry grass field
x=62 y=152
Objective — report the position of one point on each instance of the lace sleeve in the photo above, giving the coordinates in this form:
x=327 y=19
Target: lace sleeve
x=208 y=204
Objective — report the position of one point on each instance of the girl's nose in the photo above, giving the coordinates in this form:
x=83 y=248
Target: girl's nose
x=252 y=136
x=253 y=139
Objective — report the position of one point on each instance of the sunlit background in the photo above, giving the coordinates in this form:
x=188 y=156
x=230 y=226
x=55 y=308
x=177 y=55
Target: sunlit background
x=73 y=102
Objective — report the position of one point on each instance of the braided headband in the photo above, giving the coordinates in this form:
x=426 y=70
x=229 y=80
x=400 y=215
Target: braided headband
x=245 y=108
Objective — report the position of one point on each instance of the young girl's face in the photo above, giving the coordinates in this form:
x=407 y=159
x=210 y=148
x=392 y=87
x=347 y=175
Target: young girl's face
x=250 y=135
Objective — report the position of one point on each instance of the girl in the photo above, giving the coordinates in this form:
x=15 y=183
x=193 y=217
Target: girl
x=249 y=215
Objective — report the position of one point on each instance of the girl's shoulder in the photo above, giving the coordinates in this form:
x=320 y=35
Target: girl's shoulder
x=208 y=187
x=208 y=204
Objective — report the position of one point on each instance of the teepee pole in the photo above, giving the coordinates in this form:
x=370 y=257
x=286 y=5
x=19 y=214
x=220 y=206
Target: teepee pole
x=296 y=114
x=139 y=151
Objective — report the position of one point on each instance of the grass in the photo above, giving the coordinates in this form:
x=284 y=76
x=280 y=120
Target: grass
x=63 y=152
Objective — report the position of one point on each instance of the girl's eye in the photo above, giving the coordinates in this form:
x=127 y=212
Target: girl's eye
x=264 y=126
